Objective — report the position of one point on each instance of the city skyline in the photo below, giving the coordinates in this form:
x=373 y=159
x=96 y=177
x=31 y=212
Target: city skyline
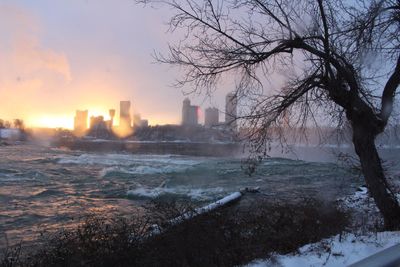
x=191 y=115
x=53 y=65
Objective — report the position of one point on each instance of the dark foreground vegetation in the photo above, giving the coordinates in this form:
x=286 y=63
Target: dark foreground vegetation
x=227 y=237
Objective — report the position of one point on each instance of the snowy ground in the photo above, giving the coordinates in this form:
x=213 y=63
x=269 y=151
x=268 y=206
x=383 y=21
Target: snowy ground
x=335 y=251
x=341 y=250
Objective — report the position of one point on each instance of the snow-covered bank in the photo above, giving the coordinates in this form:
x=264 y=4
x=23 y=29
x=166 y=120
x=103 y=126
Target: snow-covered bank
x=336 y=251
x=365 y=213
x=345 y=249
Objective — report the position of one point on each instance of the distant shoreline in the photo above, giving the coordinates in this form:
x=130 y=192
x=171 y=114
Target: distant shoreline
x=217 y=149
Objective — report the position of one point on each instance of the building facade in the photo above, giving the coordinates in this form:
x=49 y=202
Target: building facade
x=231 y=111
x=138 y=122
x=80 y=122
x=111 y=112
x=99 y=128
x=211 y=117
x=125 y=120
x=97 y=122
x=190 y=116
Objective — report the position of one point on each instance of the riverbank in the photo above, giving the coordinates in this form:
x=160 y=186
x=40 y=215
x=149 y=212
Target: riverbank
x=229 y=236
x=307 y=233
x=363 y=238
x=205 y=149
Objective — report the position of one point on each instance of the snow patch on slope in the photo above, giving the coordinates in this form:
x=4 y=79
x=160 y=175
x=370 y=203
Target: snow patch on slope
x=335 y=251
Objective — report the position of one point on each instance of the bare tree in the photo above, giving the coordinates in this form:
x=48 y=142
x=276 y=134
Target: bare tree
x=19 y=124
x=343 y=58
x=7 y=124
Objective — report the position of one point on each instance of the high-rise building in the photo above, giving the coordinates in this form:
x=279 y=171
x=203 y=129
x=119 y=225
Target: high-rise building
x=185 y=111
x=99 y=128
x=138 y=122
x=211 y=117
x=231 y=111
x=80 y=122
x=97 y=122
x=144 y=123
x=190 y=116
x=111 y=112
x=125 y=115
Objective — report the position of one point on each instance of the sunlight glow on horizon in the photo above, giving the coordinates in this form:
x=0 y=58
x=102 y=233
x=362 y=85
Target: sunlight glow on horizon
x=51 y=121
x=66 y=121
x=43 y=80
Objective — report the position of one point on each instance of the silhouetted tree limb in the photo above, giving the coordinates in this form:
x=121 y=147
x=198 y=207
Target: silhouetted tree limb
x=350 y=53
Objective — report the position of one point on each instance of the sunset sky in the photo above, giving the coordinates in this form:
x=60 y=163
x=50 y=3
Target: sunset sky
x=59 y=56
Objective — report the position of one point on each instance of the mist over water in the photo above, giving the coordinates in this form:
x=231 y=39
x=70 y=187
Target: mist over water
x=42 y=188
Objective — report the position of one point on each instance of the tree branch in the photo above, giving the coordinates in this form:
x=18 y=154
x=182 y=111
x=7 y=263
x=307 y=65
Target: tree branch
x=389 y=93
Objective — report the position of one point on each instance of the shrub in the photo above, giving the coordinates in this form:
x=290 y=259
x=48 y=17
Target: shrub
x=228 y=236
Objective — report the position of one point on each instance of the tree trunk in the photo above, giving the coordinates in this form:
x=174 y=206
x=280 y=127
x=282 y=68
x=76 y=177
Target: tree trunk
x=364 y=143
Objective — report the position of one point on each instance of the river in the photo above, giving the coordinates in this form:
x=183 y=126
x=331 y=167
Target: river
x=44 y=188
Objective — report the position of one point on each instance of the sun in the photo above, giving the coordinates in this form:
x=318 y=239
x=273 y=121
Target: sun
x=52 y=121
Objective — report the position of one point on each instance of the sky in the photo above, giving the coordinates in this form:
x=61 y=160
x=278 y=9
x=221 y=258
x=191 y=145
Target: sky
x=60 y=56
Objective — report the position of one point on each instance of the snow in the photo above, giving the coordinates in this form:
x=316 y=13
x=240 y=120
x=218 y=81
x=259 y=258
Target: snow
x=229 y=198
x=359 y=201
x=362 y=205
x=346 y=249
x=188 y=215
x=10 y=133
x=334 y=251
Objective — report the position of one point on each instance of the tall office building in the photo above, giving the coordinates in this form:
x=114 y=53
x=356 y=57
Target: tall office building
x=111 y=112
x=185 y=111
x=99 y=128
x=231 y=111
x=97 y=122
x=125 y=120
x=211 y=117
x=80 y=122
x=138 y=122
x=190 y=115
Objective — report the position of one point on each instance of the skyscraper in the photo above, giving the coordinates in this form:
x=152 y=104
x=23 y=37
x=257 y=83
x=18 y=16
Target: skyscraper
x=136 y=120
x=211 y=117
x=231 y=111
x=97 y=122
x=190 y=115
x=124 y=115
x=80 y=122
x=185 y=111
x=111 y=112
